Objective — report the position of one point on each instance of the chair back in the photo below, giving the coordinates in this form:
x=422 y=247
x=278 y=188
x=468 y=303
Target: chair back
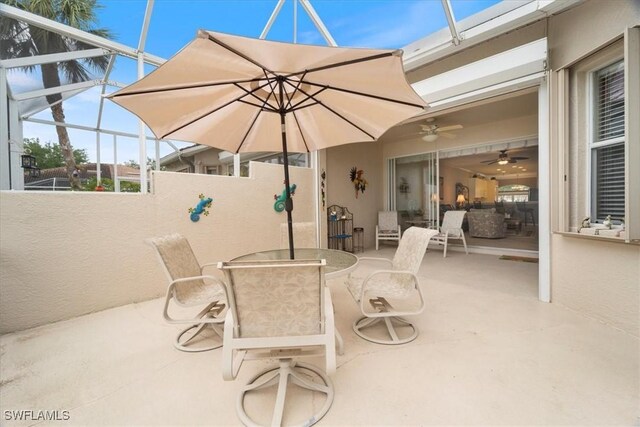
x=276 y=298
x=304 y=235
x=179 y=262
x=452 y=219
x=411 y=250
x=388 y=221
x=521 y=206
x=499 y=206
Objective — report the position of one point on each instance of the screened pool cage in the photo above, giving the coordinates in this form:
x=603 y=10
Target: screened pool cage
x=22 y=106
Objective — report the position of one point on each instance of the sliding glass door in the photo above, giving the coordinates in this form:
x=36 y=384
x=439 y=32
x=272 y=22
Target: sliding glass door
x=414 y=186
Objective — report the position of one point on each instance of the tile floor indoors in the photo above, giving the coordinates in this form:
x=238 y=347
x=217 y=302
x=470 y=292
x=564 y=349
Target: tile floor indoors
x=488 y=353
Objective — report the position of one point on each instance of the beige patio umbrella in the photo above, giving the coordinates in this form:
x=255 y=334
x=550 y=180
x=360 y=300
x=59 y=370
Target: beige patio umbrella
x=247 y=95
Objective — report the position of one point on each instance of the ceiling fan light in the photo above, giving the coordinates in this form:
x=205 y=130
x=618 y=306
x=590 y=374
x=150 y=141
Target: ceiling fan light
x=430 y=137
x=503 y=161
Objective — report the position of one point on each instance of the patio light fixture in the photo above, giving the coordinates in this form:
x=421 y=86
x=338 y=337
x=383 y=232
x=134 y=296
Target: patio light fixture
x=430 y=137
x=28 y=162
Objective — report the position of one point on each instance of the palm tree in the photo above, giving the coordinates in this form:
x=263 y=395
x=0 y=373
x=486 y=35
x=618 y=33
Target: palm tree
x=19 y=39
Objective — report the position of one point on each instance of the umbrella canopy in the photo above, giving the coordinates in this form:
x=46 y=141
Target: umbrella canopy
x=246 y=95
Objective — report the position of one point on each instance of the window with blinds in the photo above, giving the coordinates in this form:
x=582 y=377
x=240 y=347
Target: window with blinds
x=609 y=102
x=607 y=154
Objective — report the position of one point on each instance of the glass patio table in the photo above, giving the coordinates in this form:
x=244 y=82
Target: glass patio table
x=338 y=262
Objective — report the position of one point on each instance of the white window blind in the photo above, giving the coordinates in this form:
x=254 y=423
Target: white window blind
x=609 y=185
x=608 y=161
x=609 y=108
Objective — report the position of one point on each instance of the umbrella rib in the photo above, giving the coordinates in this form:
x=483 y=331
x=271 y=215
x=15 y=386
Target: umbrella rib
x=298 y=105
x=262 y=107
x=240 y=54
x=244 y=138
x=338 y=114
x=343 y=63
x=188 y=86
x=368 y=95
x=301 y=133
x=264 y=102
x=296 y=89
x=209 y=112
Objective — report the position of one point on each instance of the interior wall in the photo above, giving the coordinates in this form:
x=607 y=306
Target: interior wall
x=340 y=190
x=90 y=253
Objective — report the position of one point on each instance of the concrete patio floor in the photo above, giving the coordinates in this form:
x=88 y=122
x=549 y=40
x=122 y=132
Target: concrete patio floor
x=488 y=353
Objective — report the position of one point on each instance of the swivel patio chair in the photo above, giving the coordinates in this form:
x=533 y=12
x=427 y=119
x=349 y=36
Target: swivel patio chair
x=388 y=227
x=451 y=228
x=398 y=283
x=279 y=310
x=304 y=235
x=189 y=287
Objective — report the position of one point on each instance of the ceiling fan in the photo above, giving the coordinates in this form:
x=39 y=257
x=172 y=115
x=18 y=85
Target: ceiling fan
x=504 y=158
x=432 y=131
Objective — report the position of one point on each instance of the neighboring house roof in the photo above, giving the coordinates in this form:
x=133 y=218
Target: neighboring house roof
x=87 y=171
x=184 y=152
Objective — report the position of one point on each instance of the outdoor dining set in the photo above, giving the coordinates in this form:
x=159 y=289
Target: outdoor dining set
x=268 y=306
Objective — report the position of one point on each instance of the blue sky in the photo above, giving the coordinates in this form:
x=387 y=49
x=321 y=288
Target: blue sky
x=357 y=23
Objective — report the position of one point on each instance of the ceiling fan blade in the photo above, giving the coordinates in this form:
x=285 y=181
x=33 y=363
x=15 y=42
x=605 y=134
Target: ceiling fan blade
x=446 y=135
x=520 y=158
x=489 y=162
x=452 y=127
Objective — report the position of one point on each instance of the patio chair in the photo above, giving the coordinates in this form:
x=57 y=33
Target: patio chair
x=189 y=287
x=279 y=310
x=398 y=283
x=304 y=235
x=451 y=228
x=388 y=227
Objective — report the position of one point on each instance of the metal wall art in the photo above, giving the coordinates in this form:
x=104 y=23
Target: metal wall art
x=201 y=208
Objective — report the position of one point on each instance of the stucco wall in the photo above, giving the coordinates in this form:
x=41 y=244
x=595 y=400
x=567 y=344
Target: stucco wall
x=340 y=160
x=575 y=33
x=67 y=254
x=598 y=279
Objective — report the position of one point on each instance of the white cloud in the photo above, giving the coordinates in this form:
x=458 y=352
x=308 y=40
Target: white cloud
x=19 y=80
x=415 y=21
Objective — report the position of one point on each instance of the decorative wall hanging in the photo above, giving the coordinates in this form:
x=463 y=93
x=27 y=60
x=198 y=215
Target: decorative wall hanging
x=358 y=181
x=279 y=205
x=201 y=208
x=323 y=175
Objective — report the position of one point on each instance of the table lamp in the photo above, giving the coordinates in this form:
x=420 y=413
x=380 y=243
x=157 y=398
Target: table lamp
x=460 y=200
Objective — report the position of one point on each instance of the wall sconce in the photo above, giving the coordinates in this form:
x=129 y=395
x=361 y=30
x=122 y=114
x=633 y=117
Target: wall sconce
x=28 y=161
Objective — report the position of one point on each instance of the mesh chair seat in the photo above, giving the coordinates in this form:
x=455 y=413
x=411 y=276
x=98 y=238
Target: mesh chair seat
x=381 y=286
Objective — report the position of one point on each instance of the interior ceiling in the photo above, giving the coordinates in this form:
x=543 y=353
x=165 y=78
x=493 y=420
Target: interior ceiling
x=482 y=113
x=473 y=163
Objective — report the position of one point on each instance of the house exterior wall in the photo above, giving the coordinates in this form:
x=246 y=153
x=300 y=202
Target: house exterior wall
x=95 y=257
x=339 y=161
x=608 y=286
x=597 y=278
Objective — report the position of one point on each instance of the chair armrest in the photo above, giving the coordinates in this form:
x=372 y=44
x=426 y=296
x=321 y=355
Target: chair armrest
x=369 y=258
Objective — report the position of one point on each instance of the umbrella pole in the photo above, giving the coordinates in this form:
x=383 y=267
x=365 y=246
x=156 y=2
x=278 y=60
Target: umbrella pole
x=288 y=203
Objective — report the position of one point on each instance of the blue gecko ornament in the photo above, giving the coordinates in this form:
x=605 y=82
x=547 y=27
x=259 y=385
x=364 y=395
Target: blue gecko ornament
x=201 y=208
x=278 y=206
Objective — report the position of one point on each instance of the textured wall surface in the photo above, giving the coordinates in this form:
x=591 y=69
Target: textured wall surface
x=67 y=254
x=598 y=279
x=340 y=160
